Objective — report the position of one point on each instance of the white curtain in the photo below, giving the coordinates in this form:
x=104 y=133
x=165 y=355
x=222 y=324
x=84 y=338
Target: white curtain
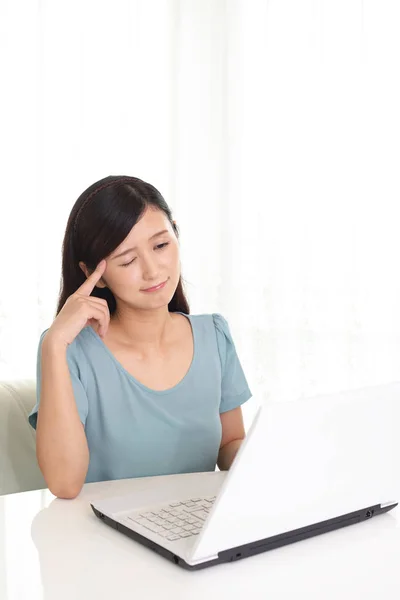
x=271 y=128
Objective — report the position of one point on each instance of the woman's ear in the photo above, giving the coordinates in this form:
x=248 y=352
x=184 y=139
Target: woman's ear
x=100 y=283
x=84 y=268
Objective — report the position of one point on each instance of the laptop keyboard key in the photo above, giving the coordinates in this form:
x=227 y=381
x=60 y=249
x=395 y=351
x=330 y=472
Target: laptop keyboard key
x=191 y=509
x=164 y=533
x=139 y=520
x=152 y=527
x=200 y=514
x=177 y=530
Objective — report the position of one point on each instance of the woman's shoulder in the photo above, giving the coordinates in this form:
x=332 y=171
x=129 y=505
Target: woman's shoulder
x=213 y=324
x=219 y=321
x=216 y=317
x=217 y=331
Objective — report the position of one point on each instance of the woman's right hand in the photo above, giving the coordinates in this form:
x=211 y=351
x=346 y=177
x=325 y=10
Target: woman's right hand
x=81 y=309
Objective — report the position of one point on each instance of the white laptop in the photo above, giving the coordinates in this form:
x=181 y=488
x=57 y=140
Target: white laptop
x=306 y=467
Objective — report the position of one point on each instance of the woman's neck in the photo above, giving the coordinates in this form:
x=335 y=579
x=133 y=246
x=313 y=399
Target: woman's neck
x=144 y=330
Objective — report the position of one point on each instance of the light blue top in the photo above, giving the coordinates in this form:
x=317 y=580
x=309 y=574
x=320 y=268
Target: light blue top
x=133 y=431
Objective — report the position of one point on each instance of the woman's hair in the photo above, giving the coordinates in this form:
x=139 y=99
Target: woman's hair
x=99 y=221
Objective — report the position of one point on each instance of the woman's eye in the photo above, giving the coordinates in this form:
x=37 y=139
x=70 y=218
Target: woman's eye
x=159 y=247
x=128 y=263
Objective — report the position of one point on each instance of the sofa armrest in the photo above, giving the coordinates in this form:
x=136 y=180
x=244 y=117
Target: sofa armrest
x=19 y=470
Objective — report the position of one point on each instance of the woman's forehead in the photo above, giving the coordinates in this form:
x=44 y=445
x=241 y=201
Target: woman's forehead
x=151 y=223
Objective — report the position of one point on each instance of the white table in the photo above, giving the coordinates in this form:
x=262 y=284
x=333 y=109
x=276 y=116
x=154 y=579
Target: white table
x=57 y=549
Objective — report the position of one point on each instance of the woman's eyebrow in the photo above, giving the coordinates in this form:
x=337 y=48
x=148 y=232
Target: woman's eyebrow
x=134 y=248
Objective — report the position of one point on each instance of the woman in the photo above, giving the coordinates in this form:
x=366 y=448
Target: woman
x=128 y=383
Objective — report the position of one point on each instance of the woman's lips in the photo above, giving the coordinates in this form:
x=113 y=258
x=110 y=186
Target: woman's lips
x=156 y=287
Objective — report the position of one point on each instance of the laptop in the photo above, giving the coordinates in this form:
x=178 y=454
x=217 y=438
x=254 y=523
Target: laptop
x=306 y=467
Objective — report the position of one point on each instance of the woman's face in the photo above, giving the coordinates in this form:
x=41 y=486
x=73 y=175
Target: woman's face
x=148 y=256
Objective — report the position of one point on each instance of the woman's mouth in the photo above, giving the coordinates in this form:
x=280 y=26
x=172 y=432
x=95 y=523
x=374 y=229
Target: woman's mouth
x=155 y=288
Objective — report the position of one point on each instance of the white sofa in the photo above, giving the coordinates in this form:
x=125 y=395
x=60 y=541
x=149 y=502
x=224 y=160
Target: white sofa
x=19 y=471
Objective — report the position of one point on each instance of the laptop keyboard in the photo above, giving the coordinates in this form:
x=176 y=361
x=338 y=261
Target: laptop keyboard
x=177 y=520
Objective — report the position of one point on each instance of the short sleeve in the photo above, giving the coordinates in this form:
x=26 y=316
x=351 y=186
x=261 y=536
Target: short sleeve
x=234 y=389
x=75 y=360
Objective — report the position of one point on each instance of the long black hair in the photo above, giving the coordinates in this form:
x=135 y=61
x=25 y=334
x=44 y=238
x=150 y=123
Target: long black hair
x=99 y=221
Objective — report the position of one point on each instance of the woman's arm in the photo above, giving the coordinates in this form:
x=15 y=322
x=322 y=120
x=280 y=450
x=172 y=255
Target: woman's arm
x=233 y=434
x=61 y=446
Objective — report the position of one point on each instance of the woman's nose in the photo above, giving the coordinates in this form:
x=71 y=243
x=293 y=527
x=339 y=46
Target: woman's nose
x=150 y=267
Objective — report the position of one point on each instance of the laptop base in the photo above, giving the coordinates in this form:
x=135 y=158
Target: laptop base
x=257 y=546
